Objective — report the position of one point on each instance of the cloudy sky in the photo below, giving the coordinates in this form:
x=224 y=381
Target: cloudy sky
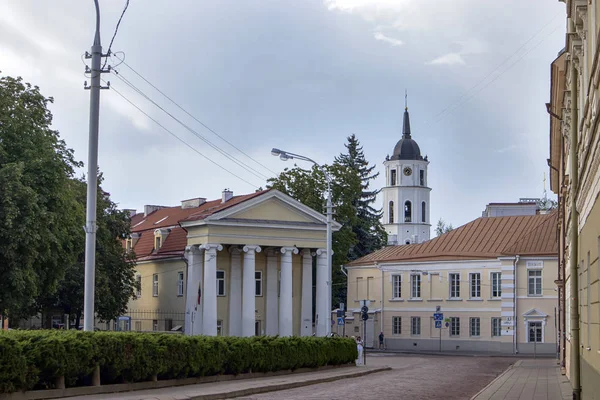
x=302 y=76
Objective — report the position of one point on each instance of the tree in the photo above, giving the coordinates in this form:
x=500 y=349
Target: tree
x=38 y=230
x=442 y=228
x=115 y=270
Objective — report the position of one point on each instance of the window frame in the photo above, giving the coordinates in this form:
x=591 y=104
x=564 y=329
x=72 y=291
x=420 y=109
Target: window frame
x=223 y=281
x=475 y=278
x=138 y=290
x=496 y=325
x=474 y=325
x=422 y=177
x=157 y=242
x=454 y=285
x=393 y=177
x=496 y=281
x=541 y=327
x=396 y=325
x=258 y=283
x=154 y=285
x=391 y=212
x=423 y=211
x=415 y=326
x=413 y=277
x=180 y=283
x=397 y=286
x=535 y=278
x=407 y=211
x=454 y=330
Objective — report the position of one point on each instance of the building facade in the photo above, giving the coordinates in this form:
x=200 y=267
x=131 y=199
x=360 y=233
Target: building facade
x=492 y=279
x=574 y=165
x=406 y=217
x=237 y=266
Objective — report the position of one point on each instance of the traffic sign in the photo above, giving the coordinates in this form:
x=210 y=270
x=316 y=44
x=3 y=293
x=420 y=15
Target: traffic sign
x=364 y=309
x=438 y=324
x=340 y=321
x=438 y=317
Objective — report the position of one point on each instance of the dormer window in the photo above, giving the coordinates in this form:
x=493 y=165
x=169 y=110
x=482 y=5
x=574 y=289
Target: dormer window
x=128 y=245
x=157 y=242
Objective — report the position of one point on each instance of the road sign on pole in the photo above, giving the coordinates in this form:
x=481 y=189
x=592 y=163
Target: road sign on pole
x=438 y=324
x=340 y=321
x=438 y=317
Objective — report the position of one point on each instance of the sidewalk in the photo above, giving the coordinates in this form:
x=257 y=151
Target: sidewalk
x=528 y=380
x=238 y=388
x=453 y=353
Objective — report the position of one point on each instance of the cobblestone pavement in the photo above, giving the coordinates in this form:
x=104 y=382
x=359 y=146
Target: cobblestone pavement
x=411 y=378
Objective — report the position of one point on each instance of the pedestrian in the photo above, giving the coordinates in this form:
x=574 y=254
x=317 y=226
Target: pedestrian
x=381 y=341
x=359 y=347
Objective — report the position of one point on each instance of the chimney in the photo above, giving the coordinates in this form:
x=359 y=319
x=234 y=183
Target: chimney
x=192 y=203
x=227 y=195
x=149 y=209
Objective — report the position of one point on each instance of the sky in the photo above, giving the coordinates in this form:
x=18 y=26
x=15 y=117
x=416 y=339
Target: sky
x=301 y=76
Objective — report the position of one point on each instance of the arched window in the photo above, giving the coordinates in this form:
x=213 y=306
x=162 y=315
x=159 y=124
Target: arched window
x=407 y=211
x=423 y=212
x=391 y=212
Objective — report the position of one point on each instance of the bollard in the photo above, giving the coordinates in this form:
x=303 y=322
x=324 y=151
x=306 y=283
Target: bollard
x=96 y=376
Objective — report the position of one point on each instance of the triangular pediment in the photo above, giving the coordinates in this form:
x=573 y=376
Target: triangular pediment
x=535 y=313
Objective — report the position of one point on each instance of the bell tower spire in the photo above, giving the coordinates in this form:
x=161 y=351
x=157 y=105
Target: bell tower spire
x=406 y=121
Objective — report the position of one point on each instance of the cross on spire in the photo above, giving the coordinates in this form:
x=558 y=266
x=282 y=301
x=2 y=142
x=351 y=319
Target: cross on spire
x=405 y=99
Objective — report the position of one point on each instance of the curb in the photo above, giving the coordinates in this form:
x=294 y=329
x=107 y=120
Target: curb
x=451 y=354
x=283 y=386
x=515 y=365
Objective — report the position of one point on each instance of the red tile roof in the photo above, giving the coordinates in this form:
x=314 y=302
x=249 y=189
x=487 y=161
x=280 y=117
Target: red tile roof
x=169 y=218
x=483 y=238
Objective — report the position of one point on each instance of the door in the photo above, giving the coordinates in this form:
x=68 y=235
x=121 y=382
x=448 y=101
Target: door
x=257 y=328
x=370 y=338
x=535 y=332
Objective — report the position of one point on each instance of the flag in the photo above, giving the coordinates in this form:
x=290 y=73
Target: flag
x=199 y=295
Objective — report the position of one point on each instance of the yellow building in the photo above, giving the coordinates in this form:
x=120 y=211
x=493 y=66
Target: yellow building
x=239 y=265
x=492 y=279
x=575 y=176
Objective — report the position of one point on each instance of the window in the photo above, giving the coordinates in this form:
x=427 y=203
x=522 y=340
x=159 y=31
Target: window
x=422 y=178
x=423 y=212
x=396 y=325
x=454 y=280
x=221 y=283
x=415 y=286
x=155 y=325
x=496 y=327
x=168 y=324
x=397 y=286
x=128 y=245
x=407 y=211
x=393 y=177
x=475 y=280
x=415 y=326
x=258 y=280
x=138 y=326
x=219 y=327
x=454 y=326
x=155 y=285
x=496 y=285
x=180 y=284
x=475 y=326
x=138 y=282
x=391 y=212
x=157 y=242
x=534 y=287
x=535 y=332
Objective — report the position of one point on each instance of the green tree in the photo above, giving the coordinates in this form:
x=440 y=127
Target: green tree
x=38 y=230
x=442 y=228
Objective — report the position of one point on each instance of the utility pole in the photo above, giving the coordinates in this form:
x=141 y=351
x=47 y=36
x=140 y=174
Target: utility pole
x=329 y=254
x=92 y=186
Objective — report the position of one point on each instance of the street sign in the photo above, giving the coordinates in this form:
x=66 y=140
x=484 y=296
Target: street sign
x=340 y=321
x=438 y=317
x=364 y=309
x=438 y=324
x=438 y=308
x=340 y=313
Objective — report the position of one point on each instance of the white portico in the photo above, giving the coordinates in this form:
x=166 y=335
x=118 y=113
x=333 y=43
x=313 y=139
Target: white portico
x=406 y=216
x=250 y=268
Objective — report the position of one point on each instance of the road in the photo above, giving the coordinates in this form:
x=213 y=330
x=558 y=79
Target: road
x=413 y=377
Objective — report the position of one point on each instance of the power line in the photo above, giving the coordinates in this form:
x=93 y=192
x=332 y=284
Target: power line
x=116 y=30
x=232 y=158
x=180 y=139
x=192 y=116
x=454 y=105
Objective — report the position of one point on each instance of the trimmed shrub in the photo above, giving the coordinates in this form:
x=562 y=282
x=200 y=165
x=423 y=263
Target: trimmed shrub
x=35 y=359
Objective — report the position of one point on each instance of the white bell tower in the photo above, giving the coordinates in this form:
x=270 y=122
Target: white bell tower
x=406 y=217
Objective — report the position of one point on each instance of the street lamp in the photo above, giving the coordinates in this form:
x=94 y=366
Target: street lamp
x=323 y=292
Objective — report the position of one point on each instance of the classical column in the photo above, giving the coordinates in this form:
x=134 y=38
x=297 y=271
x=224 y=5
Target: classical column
x=249 y=290
x=235 y=292
x=322 y=302
x=193 y=305
x=272 y=305
x=209 y=295
x=286 y=327
x=306 y=313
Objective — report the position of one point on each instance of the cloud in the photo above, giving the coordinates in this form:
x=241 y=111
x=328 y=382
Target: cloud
x=387 y=39
x=510 y=148
x=448 y=59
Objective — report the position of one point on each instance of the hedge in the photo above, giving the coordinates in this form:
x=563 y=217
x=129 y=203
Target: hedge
x=35 y=359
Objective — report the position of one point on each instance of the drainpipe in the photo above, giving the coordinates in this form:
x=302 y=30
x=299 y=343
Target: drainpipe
x=381 y=319
x=573 y=279
x=515 y=318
